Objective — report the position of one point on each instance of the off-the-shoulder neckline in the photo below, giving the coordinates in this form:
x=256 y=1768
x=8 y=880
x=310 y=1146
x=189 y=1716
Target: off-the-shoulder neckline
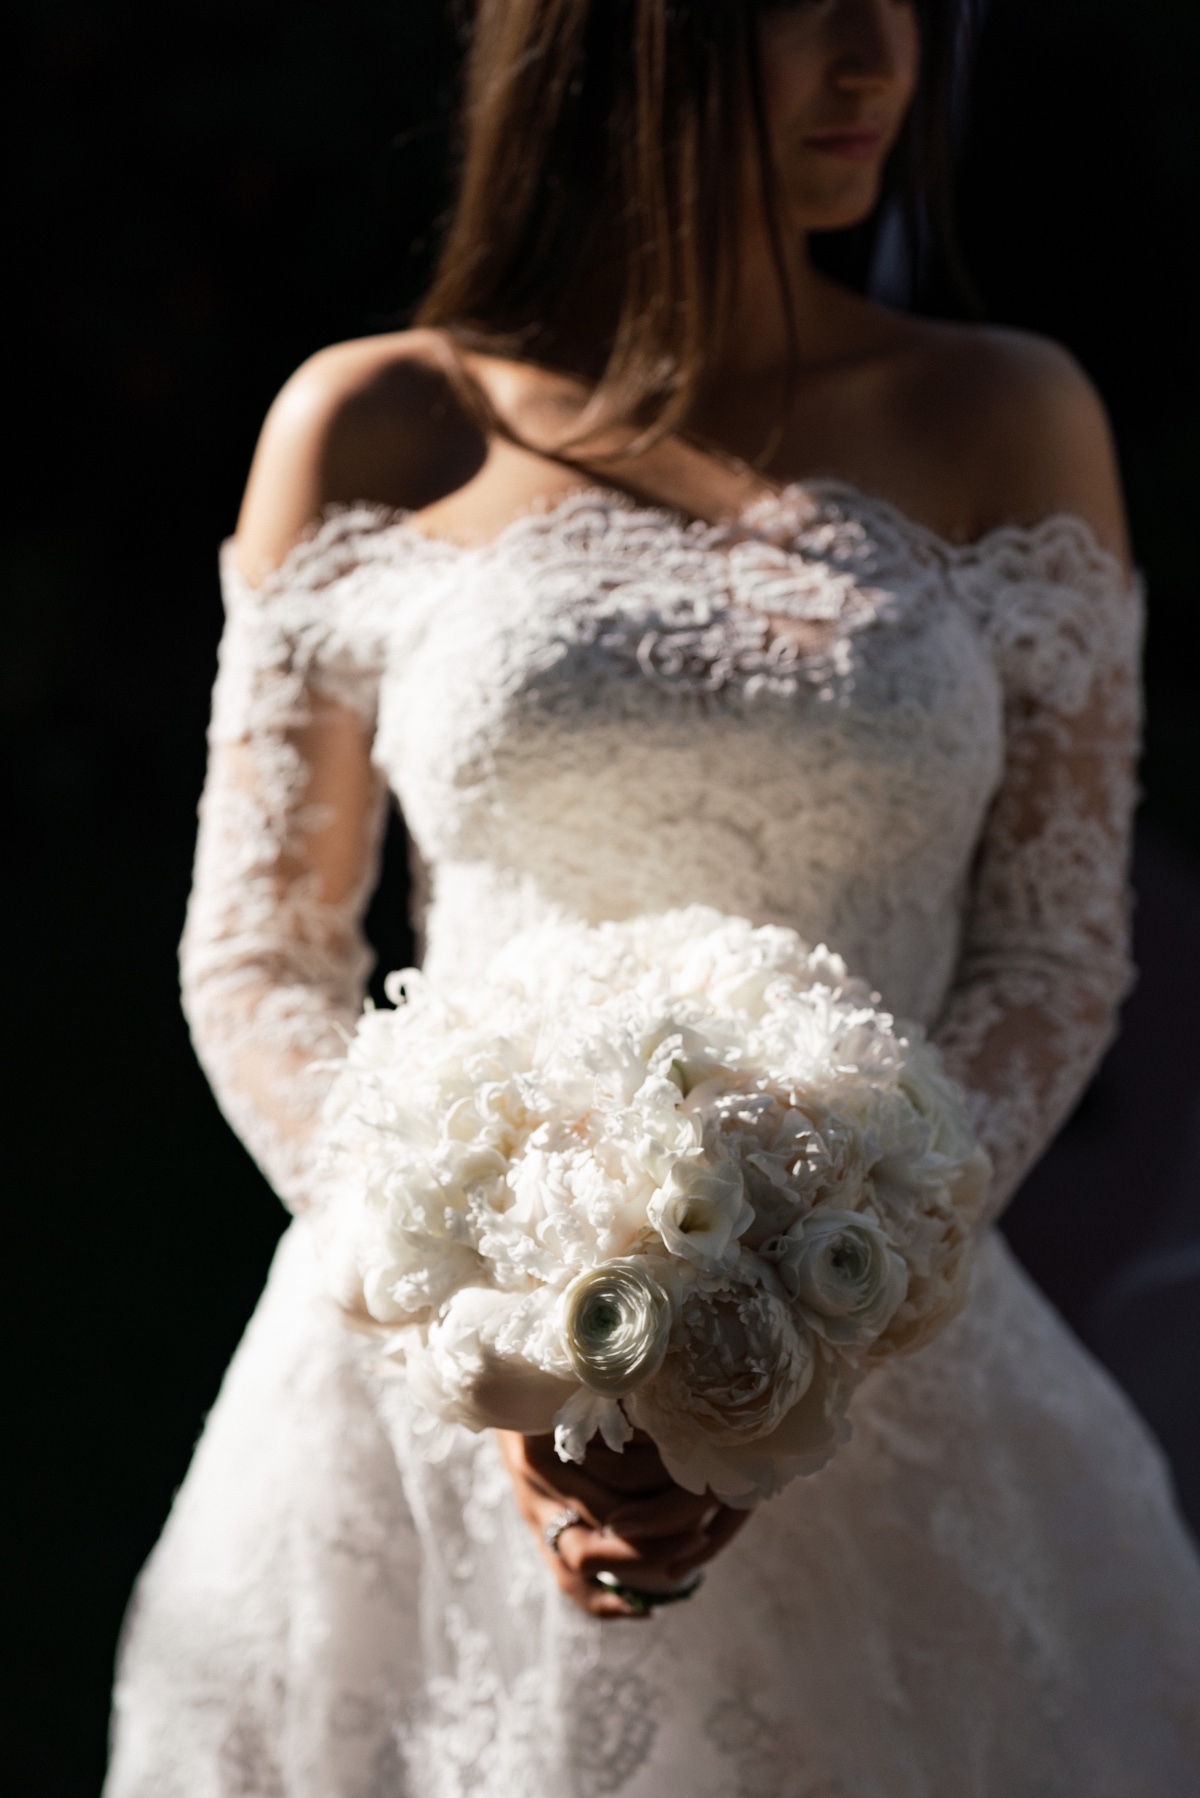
x=544 y=515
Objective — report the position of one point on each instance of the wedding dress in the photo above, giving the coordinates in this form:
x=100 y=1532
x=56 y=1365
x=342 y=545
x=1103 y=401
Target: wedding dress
x=826 y=718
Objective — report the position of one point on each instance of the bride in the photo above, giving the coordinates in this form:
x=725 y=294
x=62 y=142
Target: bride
x=653 y=568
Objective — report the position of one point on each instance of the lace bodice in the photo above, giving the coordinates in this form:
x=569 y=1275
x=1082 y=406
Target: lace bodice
x=825 y=717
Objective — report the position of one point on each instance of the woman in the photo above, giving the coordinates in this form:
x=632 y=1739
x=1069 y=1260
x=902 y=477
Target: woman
x=674 y=571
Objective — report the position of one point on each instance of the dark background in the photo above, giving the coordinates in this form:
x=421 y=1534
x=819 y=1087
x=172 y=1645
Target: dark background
x=207 y=191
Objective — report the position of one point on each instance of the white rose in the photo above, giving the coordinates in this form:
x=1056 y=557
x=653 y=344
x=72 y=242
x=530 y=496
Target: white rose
x=844 y=1274
x=457 y=1373
x=615 y=1320
x=701 y=1211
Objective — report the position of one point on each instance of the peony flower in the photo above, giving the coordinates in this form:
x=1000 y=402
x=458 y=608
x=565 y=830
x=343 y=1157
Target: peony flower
x=741 y=1473
x=737 y=1364
x=701 y=1212
x=615 y=1320
x=845 y=1277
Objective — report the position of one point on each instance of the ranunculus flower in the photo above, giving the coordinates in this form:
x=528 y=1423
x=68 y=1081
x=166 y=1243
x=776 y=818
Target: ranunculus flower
x=845 y=1277
x=615 y=1321
x=701 y=1212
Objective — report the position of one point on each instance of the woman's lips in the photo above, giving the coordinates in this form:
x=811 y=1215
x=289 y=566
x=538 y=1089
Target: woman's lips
x=851 y=143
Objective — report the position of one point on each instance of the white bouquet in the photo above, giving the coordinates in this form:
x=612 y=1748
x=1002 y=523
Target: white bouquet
x=678 y=1173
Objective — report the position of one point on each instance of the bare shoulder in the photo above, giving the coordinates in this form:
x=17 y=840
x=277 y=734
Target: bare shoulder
x=1023 y=425
x=379 y=419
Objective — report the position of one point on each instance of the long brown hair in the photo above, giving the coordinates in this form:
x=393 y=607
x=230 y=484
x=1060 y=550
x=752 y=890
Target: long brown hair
x=604 y=144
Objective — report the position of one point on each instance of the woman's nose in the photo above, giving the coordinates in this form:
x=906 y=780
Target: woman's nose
x=869 y=40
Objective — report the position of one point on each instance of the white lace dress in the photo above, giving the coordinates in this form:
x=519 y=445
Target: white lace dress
x=827 y=719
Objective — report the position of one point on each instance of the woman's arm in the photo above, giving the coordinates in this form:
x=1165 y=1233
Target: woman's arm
x=1045 y=959
x=273 y=958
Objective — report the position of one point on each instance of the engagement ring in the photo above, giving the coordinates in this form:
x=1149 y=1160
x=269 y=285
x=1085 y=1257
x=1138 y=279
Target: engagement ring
x=563 y=1520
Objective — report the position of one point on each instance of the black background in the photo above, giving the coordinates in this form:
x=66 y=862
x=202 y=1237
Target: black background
x=208 y=191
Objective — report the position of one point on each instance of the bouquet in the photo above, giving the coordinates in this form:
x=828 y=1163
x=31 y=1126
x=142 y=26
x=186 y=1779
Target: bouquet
x=679 y=1173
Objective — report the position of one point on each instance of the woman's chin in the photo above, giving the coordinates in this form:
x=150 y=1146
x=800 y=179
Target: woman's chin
x=836 y=204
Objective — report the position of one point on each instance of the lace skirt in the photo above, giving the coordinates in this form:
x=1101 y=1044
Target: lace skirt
x=988 y=1594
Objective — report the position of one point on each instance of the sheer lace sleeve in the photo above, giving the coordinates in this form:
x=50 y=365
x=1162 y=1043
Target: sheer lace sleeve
x=273 y=959
x=1045 y=959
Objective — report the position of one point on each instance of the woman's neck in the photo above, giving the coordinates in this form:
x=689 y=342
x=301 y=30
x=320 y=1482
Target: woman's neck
x=763 y=366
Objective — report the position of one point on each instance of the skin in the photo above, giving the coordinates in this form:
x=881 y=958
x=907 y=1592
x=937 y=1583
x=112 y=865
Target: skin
x=963 y=428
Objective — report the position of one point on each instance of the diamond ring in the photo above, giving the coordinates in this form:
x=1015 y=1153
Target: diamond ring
x=562 y=1520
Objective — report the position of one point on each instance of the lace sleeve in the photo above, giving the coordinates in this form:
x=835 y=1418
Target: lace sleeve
x=1045 y=960
x=273 y=960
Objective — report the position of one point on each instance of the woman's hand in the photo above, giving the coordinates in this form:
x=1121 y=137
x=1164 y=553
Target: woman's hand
x=637 y=1523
